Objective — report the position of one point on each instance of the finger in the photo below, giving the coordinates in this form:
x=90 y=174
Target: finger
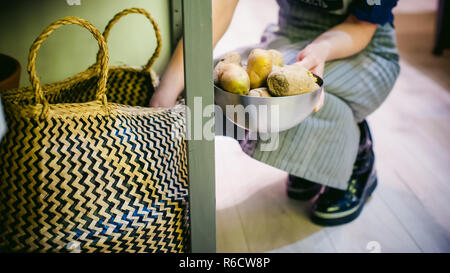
x=318 y=70
x=300 y=56
x=307 y=62
x=321 y=102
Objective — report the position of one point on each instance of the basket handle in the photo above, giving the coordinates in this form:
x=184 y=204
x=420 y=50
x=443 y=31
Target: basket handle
x=101 y=70
x=124 y=12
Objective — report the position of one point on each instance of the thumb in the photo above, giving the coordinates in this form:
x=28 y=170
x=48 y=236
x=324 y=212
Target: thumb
x=300 y=56
x=306 y=62
x=321 y=102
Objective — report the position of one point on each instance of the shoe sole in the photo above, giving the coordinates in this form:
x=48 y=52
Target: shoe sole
x=334 y=220
x=303 y=195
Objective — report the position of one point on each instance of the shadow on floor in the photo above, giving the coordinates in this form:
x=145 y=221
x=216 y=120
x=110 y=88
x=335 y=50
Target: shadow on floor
x=271 y=221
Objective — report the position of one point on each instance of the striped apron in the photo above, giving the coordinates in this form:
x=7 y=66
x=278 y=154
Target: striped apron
x=324 y=146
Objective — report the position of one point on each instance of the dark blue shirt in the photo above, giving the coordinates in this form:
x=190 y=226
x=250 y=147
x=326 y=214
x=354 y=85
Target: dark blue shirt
x=373 y=11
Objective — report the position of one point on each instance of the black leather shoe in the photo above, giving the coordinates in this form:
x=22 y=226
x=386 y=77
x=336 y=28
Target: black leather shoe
x=302 y=189
x=336 y=207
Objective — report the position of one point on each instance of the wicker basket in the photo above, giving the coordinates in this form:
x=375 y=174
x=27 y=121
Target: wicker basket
x=80 y=172
x=127 y=85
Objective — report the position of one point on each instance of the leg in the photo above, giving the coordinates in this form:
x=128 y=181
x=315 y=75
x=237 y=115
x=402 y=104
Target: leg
x=335 y=207
x=359 y=84
x=321 y=149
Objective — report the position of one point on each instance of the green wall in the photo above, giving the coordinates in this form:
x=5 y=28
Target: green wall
x=72 y=49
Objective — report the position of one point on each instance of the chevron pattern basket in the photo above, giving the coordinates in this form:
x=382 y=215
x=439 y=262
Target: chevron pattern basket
x=126 y=85
x=81 y=173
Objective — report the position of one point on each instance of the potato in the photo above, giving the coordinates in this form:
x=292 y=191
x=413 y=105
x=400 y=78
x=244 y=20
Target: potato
x=277 y=57
x=233 y=78
x=291 y=80
x=259 y=65
x=217 y=71
x=259 y=92
x=232 y=57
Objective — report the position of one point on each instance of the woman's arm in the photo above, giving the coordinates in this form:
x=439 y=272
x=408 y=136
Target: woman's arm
x=172 y=82
x=341 y=41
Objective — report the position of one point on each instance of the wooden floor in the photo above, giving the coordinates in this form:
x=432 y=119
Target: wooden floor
x=409 y=211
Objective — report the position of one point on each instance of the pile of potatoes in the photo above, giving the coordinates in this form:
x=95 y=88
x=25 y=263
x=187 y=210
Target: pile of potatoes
x=265 y=75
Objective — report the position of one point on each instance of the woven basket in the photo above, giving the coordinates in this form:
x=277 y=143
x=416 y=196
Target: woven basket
x=126 y=85
x=79 y=175
x=121 y=78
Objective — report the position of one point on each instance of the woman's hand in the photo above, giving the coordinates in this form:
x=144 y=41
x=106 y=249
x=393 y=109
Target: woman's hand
x=348 y=38
x=313 y=58
x=162 y=99
x=172 y=82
